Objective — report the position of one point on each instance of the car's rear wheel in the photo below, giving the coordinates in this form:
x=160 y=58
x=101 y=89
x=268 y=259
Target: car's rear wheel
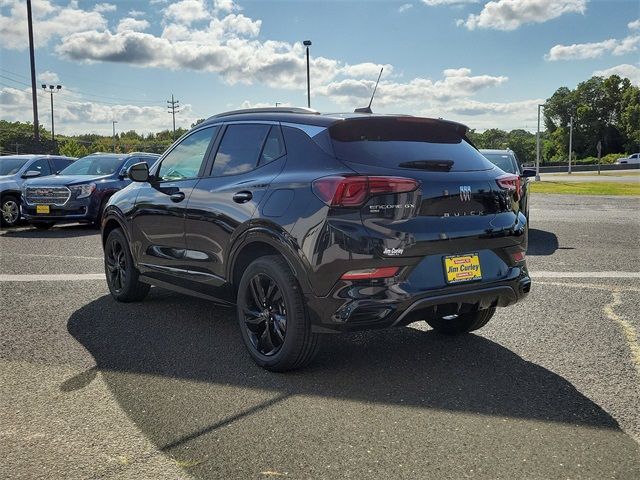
x=272 y=315
x=463 y=323
x=43 y=225
x=122 y=275
x=10 y=210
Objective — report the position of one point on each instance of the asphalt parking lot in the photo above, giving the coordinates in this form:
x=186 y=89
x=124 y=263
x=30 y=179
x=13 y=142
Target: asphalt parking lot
x=549 y=388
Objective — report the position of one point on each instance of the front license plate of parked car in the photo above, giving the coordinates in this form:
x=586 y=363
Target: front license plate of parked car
x=462 y=268
x=40 y=209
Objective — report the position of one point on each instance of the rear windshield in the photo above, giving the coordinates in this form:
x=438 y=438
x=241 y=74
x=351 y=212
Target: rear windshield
x=503 y=161
x=406 y=143
x=94 y=165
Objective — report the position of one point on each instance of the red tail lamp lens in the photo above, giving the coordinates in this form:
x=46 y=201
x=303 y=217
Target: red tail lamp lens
x=370 y=273
x=512 y=183
x=518 y=257
x=354 y=191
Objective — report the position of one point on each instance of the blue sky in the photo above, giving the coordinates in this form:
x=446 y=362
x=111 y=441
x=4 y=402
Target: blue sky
x=485 y=63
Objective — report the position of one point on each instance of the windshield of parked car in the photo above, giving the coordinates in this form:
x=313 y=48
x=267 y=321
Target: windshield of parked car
x=406 y=143
x=503 y=161
x=11 y=165
x=94 y=165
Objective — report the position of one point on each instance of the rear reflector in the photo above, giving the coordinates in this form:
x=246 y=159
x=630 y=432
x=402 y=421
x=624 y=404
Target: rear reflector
x=512 y=183
x=518 y=256
x=354 y=191
x=370 y=273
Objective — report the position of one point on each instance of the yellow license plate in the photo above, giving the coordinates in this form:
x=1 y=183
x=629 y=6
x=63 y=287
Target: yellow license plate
x=462 y=268
x=43 y=209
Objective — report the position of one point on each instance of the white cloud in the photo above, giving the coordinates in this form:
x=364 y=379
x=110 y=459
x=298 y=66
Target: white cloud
x=130 y=24
x=187 y=11
x=511 y=14
x=631 y=72
x=404 y=7
x=48 y=77
x=250 y=104
x=634 y=25
x=105 y=7
x=75 y=114
x=581 y=51
x=366 y=70
x=136 y=13
x=49 y=22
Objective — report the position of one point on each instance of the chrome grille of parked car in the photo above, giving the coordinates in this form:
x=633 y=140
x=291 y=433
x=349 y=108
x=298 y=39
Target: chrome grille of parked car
x=47 y=195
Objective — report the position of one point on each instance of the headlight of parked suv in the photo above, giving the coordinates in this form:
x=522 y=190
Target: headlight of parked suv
x=82 y=191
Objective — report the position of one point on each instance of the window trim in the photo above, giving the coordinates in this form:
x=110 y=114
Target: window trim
x=209 y=170
x=159 y=161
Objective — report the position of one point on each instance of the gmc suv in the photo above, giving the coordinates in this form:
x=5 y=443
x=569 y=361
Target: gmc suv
x=312 y=224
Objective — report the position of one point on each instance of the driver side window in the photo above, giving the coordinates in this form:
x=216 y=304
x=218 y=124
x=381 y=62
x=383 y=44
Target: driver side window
x=185 y=159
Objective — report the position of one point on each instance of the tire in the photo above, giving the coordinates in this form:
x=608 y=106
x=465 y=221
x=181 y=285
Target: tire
x=463 y=323
x=9 y=210
x=278 y=336
x=43 y=225
x=122 y=275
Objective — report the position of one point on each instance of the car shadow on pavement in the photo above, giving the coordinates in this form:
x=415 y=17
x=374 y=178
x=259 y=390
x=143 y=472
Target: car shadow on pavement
x=63 y=231
x=177 y=366
x=542 y=242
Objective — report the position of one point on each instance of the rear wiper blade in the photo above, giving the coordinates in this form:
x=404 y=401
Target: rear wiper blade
x=436 y=165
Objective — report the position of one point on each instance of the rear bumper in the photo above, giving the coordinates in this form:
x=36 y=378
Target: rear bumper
x=353 y=306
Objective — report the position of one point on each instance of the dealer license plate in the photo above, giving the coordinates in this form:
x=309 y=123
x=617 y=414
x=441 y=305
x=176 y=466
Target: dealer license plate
x=462 y=268
x=40 y=209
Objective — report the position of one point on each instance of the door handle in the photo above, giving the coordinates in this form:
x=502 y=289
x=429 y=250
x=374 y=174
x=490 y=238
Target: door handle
x=242 y=197
x=177 y=197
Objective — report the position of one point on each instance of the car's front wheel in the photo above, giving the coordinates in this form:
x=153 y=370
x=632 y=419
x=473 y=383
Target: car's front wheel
x=463 y=323
x=272 y=315
x=10 y=209
x=122 y=275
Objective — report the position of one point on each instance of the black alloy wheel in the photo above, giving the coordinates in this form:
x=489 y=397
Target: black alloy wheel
x=265 y=314
x=122 y=275
x=116 y=263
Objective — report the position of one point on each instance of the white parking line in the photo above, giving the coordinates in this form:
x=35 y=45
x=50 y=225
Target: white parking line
x=543 y=274
x=62 y=277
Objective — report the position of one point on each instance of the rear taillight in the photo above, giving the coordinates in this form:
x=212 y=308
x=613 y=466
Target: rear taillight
x=370 y=273
x=518 y=257
x=354 y=191
x=512 y=183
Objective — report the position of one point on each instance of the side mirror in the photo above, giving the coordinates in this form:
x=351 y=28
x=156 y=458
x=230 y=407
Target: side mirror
x=31 y=174
x=139 y=172
x=123 y=174
x=528 y=172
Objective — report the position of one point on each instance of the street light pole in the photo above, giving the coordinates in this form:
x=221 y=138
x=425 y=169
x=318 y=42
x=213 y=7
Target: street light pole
x=570 y=140
x=51 y=91
x=113 y=123
x=538 y=147
x=307 y=43
x=174 y=107
x=32 y=58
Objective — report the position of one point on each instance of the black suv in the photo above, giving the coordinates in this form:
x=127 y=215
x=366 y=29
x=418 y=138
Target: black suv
x=314 y=224
x=80 y=192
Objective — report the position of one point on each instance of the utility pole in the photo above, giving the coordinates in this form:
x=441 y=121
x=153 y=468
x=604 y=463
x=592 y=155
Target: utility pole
x=52 y=90
x=570 y=141
x=34 y=93
x=173 y=106
x=113 y=123
x=538 y=147
x=307 y=43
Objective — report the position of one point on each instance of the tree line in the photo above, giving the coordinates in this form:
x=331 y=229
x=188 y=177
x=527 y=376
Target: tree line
x=605 y=110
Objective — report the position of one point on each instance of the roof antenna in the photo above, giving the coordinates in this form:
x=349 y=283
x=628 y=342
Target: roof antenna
x=367 y=109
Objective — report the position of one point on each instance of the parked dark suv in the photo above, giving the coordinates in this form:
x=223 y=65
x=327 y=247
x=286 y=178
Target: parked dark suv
x=80 y=192
x=14 y=170
x=314 y=223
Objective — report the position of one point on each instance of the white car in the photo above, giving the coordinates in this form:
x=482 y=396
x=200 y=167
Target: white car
x=633 y=158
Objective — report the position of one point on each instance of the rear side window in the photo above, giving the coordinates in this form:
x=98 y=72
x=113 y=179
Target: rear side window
x=406 y=143
x=273 y=146
x=60 y=164
x=240 y=148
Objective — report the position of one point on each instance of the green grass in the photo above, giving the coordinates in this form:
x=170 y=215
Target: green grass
x=586 y=188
